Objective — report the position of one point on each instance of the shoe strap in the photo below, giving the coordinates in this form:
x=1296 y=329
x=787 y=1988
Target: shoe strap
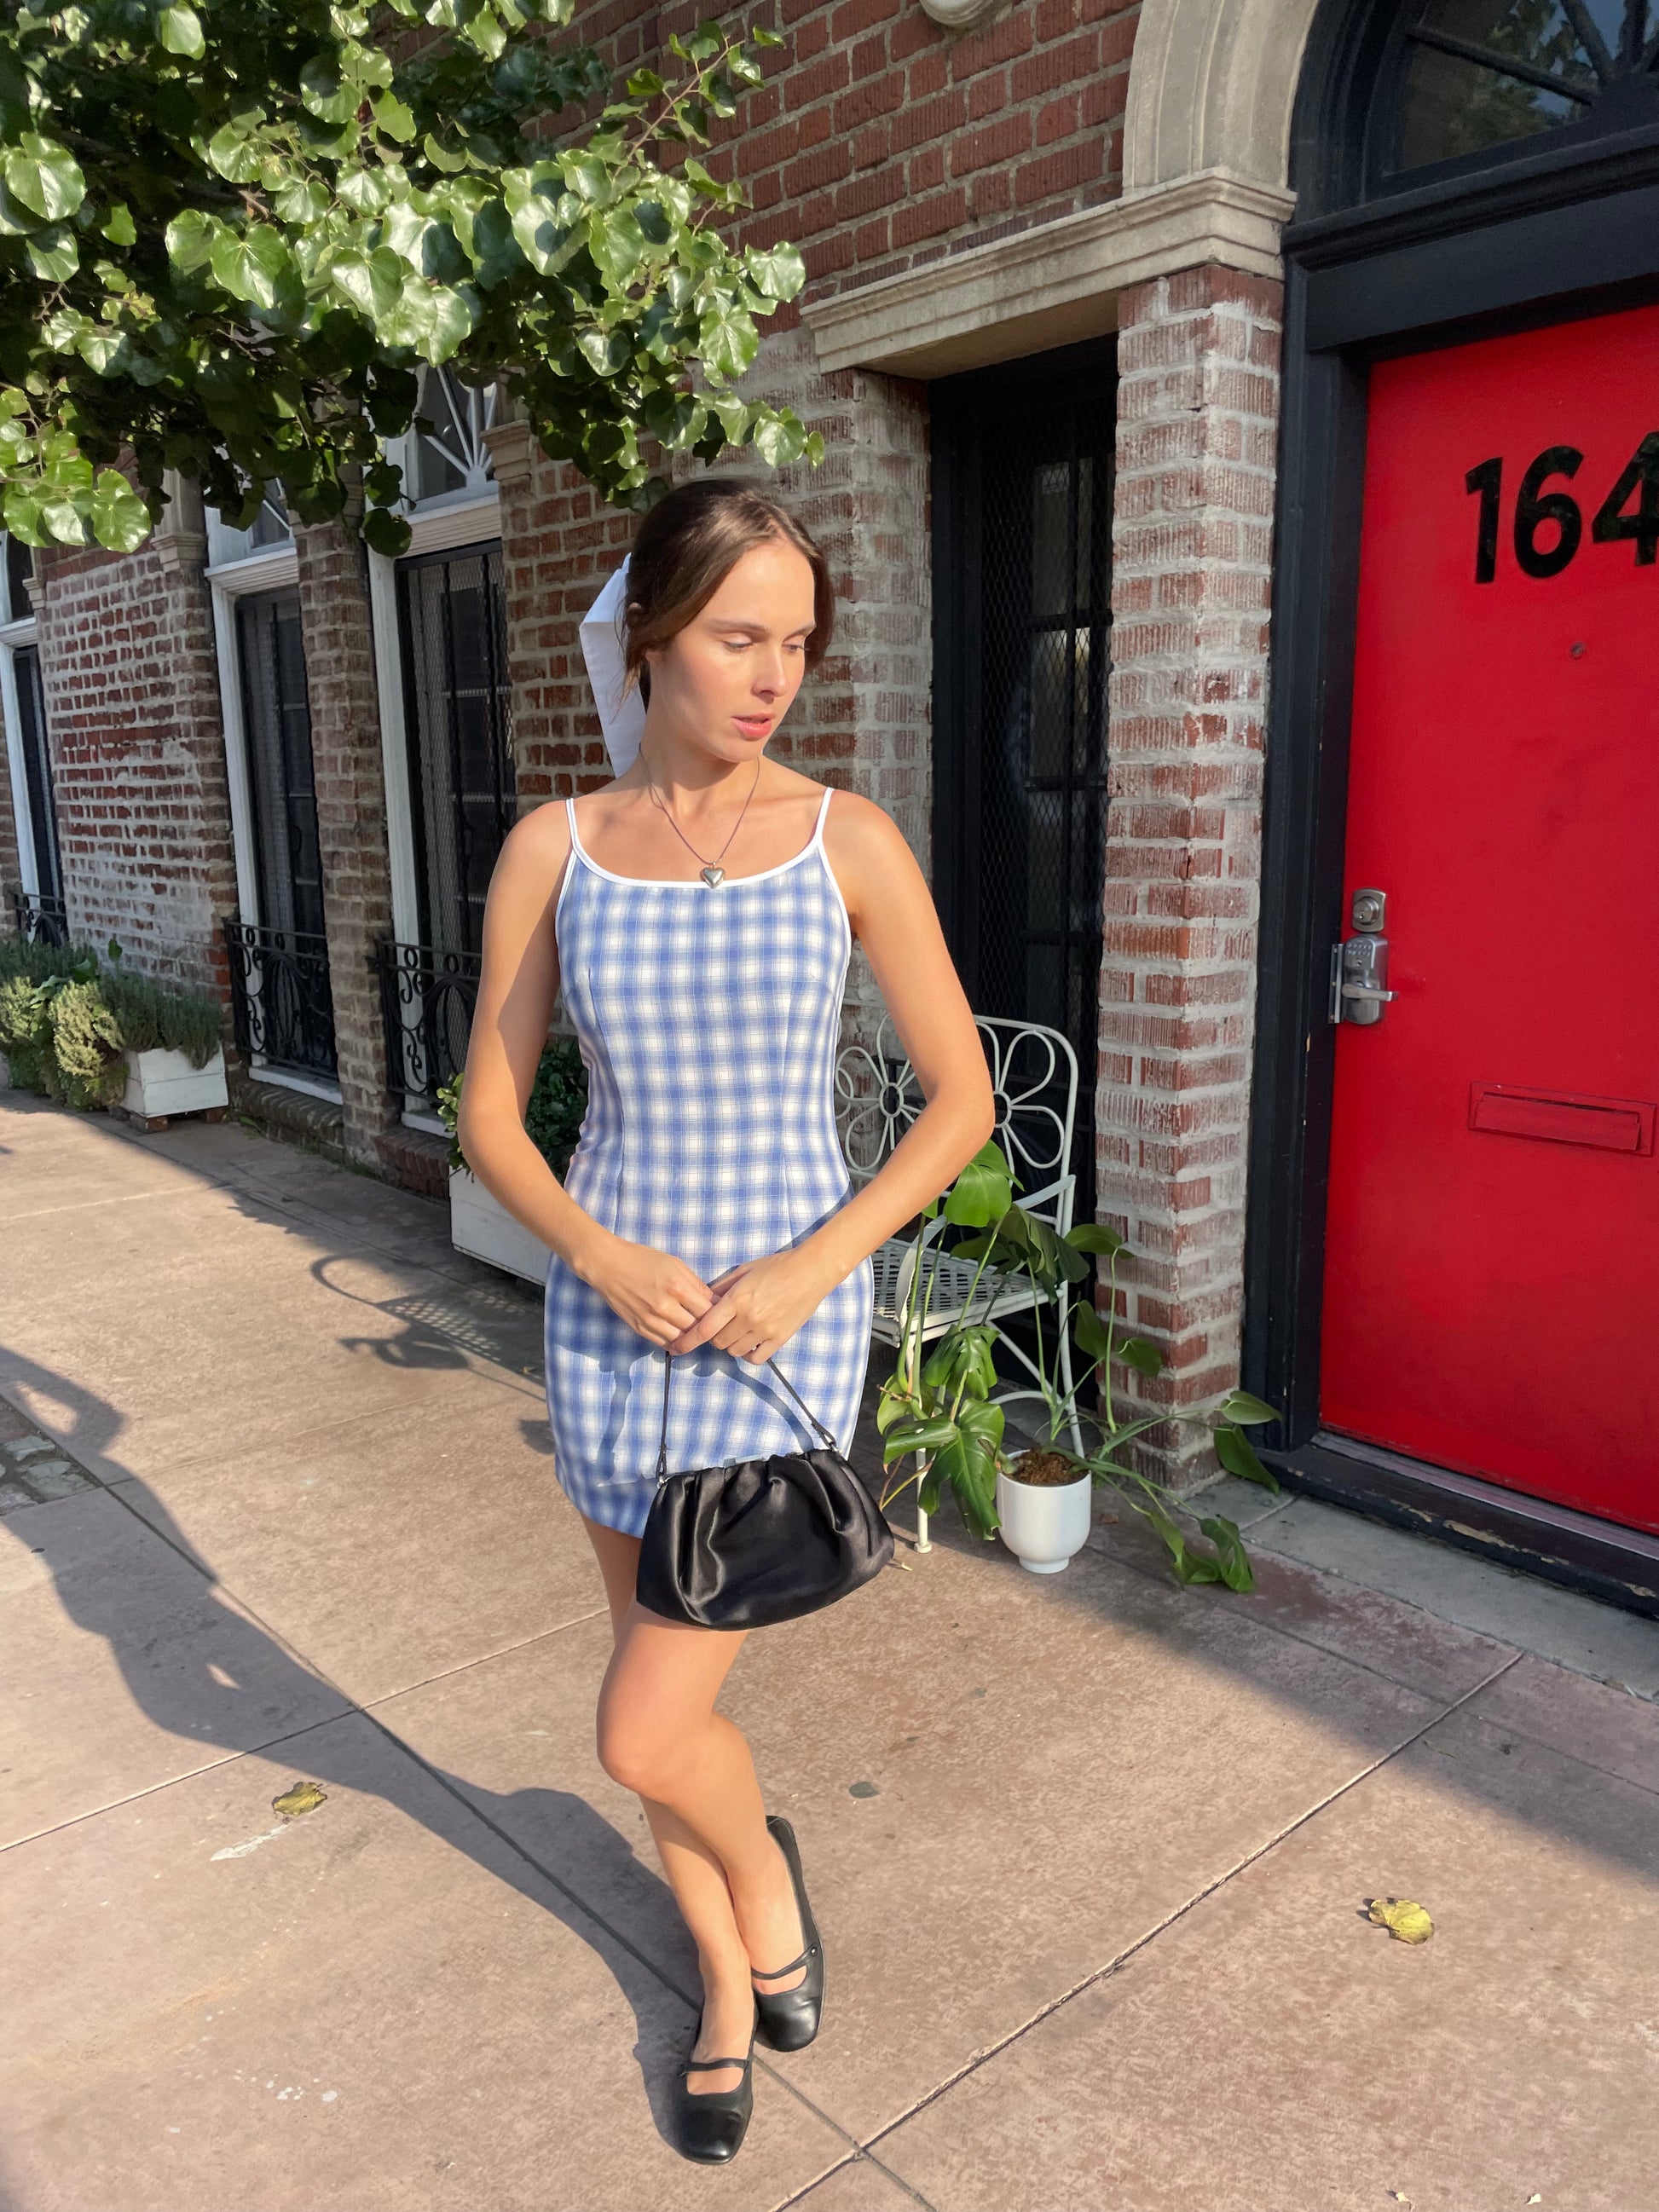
x=771 y=1974
x=707 y=2065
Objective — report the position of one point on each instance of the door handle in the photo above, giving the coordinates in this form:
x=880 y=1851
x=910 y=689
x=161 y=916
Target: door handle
x=1359 y=964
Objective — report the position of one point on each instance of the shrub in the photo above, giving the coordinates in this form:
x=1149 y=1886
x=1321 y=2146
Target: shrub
x=553 y=1113
x=65 y=1024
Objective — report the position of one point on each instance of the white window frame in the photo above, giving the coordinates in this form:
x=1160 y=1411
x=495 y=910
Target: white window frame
x=17 y=637
x=471 y=516
x=265 y=568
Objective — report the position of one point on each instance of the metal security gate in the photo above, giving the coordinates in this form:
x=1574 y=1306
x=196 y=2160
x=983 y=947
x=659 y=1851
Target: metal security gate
x=43 y=810
x=1022 y=574
x=283 y=1001
x=452 y=626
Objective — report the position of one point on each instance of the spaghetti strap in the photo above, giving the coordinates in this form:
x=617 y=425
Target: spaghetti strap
x=824 y=815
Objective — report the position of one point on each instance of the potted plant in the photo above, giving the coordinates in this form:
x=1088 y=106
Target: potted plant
x=95 y=1037
x=479 y=1225
x=1040 y=1497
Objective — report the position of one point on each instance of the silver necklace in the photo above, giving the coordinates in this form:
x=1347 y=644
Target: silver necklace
x=711 y=871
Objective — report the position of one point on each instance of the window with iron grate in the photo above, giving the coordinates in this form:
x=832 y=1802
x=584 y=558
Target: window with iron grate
x=276 y=718
x=452 y=623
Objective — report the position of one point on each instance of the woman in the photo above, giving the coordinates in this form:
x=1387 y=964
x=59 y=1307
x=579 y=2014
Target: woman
x=700 y=910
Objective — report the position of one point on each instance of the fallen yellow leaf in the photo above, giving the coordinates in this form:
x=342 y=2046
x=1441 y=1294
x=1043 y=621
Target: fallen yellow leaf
x=302 y=1797
x=1409 y=1922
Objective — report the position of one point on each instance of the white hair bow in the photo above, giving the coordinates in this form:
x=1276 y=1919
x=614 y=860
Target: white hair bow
x=621 y=712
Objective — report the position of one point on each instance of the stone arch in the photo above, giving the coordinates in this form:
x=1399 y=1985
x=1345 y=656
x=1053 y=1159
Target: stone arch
x=1213 y=86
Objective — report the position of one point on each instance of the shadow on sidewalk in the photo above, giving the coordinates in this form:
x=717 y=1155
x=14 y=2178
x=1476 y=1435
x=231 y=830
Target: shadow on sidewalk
x=239 y=1675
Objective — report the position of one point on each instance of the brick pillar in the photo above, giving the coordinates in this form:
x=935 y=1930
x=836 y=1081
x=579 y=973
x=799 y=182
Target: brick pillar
x=136 y=739
x=351 y=825
x=1197 y=426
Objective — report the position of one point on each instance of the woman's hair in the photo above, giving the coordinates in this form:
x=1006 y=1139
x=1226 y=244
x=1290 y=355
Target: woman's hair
x=687 y=546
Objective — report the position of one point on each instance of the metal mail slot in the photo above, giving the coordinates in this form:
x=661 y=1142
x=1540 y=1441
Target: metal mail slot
x=1607 y=1125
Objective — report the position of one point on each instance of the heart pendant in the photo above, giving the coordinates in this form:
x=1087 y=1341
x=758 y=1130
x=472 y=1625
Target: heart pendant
x=711 y=875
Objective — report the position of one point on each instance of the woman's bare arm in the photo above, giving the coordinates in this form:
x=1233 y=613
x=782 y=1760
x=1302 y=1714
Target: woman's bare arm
x=655 y=1292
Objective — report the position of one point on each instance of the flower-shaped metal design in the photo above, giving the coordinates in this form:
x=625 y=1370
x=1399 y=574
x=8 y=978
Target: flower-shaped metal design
x=1034 y=1079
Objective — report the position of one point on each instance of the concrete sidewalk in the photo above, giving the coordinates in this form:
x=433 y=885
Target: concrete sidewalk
x=1090 y=1853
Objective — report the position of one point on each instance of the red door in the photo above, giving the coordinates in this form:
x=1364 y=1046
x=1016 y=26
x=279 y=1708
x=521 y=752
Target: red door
x=1492 y=1285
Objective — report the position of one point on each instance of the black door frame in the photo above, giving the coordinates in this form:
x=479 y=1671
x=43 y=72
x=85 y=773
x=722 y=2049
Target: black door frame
x=1565 y=233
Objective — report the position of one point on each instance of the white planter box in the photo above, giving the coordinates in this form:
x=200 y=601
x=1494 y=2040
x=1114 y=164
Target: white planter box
x=482 y=1227
x=1043 y=1523
x=162 y=1083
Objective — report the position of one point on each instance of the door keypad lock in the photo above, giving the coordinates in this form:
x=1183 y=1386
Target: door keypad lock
x=1359 y=964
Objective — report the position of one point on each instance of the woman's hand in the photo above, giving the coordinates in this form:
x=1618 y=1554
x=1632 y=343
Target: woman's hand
x=758 y=1305
x=656 y=1294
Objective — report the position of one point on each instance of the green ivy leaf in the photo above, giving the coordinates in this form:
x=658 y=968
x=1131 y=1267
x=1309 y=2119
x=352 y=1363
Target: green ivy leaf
x=396 y=121
x=545 y=240
x=190 y=238
x=325 y=93
x=254 y=264
x=386 y=534
x=779 y=272
x=107 y=352
x=616 y=244
x=727 y=338
x=119 y=517
x=181 y=32
x=119 y=226
x=237 y=156
x=42 y=176
x=53 y=255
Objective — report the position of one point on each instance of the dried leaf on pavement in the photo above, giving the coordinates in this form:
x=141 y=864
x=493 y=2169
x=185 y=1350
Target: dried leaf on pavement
x=1409 y=1922
x=301 y=1797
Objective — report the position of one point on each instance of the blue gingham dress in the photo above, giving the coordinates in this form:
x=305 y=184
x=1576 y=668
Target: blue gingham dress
x=708 y=1020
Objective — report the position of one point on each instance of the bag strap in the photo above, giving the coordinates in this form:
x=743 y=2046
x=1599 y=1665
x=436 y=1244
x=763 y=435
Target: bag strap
x=667 y=1374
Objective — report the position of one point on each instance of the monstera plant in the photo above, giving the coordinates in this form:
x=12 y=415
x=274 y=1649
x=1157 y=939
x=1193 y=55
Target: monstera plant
x=937 y=1403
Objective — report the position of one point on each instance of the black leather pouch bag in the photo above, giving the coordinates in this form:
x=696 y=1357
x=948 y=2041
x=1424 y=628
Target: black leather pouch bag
x=758 y=1541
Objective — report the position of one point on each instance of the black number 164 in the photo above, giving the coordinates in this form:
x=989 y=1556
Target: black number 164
x=1533 y=507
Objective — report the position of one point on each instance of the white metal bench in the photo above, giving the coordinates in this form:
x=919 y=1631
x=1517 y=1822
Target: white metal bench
x=1034 y=1080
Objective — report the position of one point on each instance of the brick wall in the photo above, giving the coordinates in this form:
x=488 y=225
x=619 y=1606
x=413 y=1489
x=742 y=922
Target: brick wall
x=880 y=141
x=1197 y=411
x=349 y=778
x=138 y=757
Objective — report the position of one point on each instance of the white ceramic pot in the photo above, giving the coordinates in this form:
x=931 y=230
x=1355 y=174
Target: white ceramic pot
x=161 y=1083
x=1043 y=1523
x=480 y=1226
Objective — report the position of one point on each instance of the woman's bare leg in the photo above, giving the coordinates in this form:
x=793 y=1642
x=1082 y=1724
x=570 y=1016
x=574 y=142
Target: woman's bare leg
x=659 y=1733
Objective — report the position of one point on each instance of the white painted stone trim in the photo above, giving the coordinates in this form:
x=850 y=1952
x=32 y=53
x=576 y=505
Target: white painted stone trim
x=1212 y=86
x=1048 y=285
